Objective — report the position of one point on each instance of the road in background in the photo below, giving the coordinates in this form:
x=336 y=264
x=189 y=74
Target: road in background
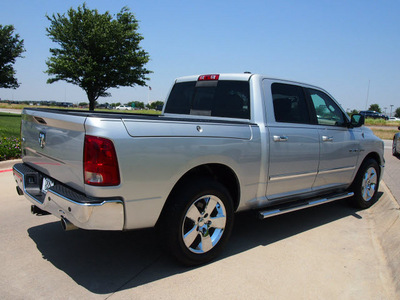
x=11 y=111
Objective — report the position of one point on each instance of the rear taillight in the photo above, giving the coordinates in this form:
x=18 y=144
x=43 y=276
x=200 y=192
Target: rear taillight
x=100 y=162
x=208 y=77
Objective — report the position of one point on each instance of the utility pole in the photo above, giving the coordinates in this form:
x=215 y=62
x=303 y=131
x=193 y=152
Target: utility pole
x=391 y=107
x=366 y=102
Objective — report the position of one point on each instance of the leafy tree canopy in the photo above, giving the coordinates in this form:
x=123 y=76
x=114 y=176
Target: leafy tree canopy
x=397 y=112
x=375 y=107
x=138 y=104
x=155 y=105
x=11 y=47
x=96 y=51
x=354 y=111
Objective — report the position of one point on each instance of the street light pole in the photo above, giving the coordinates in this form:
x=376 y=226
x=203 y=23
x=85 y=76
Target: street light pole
x=366 y=102
x=391 y=106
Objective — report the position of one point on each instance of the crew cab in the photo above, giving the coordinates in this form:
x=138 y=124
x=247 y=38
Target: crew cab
x=224 y=143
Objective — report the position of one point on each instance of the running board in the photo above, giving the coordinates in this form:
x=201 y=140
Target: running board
x=310 y=203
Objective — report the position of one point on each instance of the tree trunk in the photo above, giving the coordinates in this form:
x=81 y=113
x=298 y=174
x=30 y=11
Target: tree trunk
x=92 y=100
x=91 y=104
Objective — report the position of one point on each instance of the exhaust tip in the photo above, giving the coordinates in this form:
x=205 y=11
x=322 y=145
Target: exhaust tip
x=67 y=225
x=19 y=191
x=37 y=211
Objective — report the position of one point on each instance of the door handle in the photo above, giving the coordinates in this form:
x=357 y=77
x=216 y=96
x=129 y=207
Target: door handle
x=280 y=138
x=327 y=138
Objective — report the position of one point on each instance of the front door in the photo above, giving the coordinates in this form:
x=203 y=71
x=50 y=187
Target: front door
x=339 y=144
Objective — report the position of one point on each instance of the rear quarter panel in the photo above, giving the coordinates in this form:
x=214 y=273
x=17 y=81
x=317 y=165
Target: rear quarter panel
x=153 y=157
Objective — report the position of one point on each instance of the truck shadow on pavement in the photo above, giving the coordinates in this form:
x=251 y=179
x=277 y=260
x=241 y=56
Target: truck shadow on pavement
x=105 y=262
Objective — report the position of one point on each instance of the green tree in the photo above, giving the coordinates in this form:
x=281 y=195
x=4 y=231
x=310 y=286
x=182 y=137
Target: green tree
x=96 y=51
x=155 y=105
x=397 y=112
x=11 y=47
x=354 y=111
x=138 y=104
x=375 y=107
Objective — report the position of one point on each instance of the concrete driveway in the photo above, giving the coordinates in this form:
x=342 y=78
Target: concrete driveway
x=327 y=252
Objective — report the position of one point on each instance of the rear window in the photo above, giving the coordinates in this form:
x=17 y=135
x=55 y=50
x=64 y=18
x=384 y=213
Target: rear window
x=223 y=98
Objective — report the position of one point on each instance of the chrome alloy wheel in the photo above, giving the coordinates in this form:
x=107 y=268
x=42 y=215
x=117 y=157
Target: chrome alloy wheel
x=204 y=224
x=369 y=181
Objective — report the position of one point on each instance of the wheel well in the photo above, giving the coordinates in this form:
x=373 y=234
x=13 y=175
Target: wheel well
x=375 y=156
x=218 y=172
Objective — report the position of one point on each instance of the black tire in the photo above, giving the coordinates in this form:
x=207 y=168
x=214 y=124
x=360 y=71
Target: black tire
x=366 y=184
x=395 y=151
x=197 y=221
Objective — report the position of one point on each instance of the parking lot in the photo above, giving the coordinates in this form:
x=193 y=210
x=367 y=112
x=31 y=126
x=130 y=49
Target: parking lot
x=327 y=252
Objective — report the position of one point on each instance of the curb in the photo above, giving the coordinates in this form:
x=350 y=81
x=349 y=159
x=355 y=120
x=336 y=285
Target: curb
x=8 y=164
x=387 y=228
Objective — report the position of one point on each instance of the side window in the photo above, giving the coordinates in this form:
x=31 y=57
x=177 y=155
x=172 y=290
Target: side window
x=328 y=112
x=289 y=104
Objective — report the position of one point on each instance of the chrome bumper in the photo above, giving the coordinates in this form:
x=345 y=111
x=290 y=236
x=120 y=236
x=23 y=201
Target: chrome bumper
x=63 y=202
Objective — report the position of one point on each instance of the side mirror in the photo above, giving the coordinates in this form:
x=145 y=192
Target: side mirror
x=357 y=120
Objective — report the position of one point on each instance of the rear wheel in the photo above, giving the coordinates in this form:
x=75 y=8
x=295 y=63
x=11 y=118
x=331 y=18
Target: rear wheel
x=366 y=183
x=198 y=221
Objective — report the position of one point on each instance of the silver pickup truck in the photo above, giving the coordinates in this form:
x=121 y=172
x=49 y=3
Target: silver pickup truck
x=224 y=143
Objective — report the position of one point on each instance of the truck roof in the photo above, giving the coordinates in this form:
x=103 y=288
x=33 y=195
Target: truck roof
x=222 y=76
x=241 y=77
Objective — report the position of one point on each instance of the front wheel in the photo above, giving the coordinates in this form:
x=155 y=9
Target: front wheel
x=394 y=148
x=366 y=183
x=198 y=221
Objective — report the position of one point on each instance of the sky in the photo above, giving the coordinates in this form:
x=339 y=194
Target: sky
x=350 y=48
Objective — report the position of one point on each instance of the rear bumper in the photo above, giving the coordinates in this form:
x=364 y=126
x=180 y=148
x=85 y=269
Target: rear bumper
x=63 y=202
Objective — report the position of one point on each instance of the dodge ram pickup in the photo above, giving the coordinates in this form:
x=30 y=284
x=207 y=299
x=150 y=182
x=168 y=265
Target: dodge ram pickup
x=224 y=143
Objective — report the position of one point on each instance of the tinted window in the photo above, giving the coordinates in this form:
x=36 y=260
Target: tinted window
x=180 y=98
x=222 y=98
x=290 y=105
x=328 y=112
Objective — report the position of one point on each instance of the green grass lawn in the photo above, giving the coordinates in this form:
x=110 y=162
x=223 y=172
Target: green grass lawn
x=10 y=142
x=380 y=122
x=10 y=125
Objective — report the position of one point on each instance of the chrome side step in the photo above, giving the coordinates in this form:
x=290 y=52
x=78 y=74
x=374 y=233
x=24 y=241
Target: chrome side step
x=298 y=206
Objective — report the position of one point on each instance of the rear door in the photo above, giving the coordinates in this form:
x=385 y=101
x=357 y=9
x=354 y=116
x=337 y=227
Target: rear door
x=294 y=142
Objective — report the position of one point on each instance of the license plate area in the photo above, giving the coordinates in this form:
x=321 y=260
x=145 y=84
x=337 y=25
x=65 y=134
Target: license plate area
x=46 y=184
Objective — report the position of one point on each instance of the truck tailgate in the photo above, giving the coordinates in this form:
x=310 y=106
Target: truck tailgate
x=52 y=143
